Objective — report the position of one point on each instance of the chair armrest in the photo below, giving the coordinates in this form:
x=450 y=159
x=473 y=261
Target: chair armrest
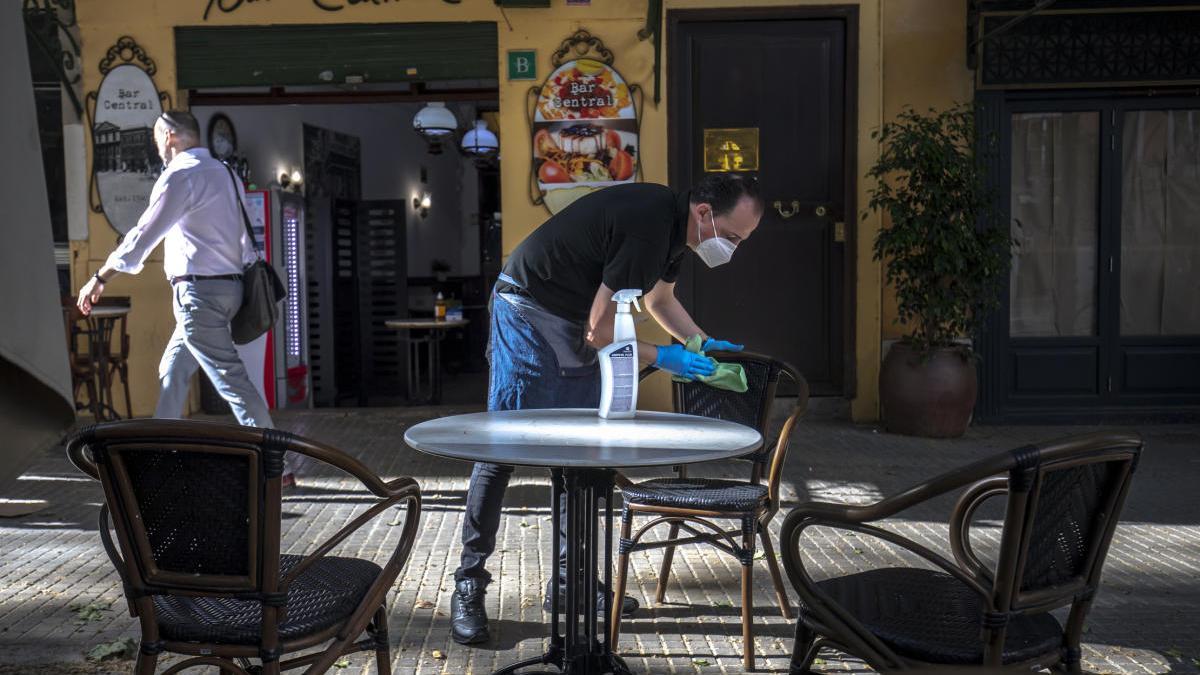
x=960 y=524
x=77 y=453
x=885 y=508
x=409 y=493
x=114 y=555
x=804 y=516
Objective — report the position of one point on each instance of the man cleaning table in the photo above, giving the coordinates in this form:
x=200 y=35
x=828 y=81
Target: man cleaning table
x=551 y=310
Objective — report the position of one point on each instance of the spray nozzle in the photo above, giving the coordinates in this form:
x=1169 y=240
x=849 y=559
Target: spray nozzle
x=625 y=296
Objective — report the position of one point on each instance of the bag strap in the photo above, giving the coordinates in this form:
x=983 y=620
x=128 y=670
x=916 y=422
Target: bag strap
x=237 y=195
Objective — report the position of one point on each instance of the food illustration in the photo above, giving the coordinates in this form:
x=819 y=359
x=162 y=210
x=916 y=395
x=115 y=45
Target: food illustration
x=585 y=132
x=583 y=153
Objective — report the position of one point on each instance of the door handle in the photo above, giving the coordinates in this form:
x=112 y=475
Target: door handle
x=785 y=214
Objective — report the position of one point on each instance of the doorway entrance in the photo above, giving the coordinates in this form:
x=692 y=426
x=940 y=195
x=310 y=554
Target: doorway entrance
x=777 y=88
x=1101 y=315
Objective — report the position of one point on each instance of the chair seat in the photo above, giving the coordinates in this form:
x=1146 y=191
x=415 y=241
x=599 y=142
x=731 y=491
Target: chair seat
x=933 y=617
x=325 y=595
x=697 y=493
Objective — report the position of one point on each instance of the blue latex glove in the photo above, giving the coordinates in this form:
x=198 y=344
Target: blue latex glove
x=678 y=361
x=715 y=345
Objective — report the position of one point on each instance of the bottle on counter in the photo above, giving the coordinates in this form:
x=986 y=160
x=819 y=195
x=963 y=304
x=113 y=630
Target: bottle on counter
x=439 y=307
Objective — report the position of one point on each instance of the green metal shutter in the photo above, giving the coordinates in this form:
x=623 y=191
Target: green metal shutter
x=236 y=56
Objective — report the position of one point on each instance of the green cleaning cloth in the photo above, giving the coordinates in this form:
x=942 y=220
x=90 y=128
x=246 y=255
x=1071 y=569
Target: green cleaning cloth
x=727 y=376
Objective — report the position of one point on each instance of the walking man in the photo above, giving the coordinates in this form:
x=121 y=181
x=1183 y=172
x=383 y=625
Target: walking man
x=552 y=309
x=193 y=208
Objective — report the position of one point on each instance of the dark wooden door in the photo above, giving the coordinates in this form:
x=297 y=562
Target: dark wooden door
x=1100 y=320
x=784 y=292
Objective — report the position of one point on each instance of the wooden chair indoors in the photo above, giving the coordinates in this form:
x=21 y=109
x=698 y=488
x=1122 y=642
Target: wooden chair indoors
x=1061 y=503
x=691 y=504
x=196 y=510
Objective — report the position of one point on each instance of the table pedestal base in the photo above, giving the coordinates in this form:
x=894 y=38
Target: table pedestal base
x=582 y=648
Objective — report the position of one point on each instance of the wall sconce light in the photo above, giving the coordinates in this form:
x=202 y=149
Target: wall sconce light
x=435 y=123
x=291 y=180
x=421 y=204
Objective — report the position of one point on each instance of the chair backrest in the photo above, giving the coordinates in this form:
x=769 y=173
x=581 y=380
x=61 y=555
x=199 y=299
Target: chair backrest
x=1063 y=502
x=195 y=506
x=751 y=408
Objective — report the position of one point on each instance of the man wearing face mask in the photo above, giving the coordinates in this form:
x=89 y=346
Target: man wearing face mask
x=194 y=208
x=552 y=309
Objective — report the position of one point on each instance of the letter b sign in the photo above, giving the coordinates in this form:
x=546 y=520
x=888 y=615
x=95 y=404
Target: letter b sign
x=522 y=64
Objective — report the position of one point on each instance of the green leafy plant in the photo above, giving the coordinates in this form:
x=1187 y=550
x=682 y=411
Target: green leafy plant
x=945 y=253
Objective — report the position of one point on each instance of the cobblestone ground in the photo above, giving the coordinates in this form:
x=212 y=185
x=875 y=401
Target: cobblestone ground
x=59 y=597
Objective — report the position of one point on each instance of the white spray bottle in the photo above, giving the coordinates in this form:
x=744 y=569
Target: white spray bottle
x=619 y=361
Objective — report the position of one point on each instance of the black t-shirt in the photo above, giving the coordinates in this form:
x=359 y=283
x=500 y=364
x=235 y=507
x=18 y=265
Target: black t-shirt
x=626 y=236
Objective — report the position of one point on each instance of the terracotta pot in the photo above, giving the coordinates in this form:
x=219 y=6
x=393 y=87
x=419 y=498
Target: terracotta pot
x=933 y=396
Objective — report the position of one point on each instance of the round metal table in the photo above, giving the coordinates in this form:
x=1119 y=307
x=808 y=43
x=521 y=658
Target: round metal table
x=582 y=450
x=435 y=332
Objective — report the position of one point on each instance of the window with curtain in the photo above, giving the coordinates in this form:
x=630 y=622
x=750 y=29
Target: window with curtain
x=1160 y=223
x=1055 y=222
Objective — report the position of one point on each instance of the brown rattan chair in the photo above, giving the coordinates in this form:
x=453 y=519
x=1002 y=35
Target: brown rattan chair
x=690 y=504
x=1061 y=504
x=196 y=511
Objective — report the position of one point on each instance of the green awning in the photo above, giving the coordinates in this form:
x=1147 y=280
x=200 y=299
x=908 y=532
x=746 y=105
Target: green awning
x=238 y=56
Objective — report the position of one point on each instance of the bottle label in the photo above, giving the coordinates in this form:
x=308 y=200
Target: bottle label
x=624 y=372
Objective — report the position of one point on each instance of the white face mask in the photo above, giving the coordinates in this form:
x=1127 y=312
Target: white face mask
x=715 y=251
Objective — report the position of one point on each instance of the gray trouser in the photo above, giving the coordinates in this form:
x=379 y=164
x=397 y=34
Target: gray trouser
x=202 y=339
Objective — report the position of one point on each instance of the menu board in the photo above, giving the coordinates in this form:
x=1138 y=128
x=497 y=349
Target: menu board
x=585 y=132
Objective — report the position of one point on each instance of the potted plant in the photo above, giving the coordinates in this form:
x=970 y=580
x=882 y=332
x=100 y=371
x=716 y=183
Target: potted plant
x=945 y=255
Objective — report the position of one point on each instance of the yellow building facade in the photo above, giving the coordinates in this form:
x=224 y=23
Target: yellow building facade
x=910 y=52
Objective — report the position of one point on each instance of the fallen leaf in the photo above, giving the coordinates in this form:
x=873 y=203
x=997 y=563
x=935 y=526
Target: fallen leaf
x=437 y=654
x=722 y=603
x=118 y=649
x=818 y=662
x=700 y=662
x=344 y=663
x=526 y=603
x=91 y=611
x=423 y=604
x=1174 y=653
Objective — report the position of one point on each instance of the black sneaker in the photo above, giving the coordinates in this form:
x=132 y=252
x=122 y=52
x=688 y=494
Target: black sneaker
x=468 y=618
x=628 y=604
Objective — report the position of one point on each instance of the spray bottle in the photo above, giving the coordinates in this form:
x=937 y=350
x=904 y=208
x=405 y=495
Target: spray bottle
x=619 y=361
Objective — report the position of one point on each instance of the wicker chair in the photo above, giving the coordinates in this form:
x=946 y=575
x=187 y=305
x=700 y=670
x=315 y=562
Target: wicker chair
x=1062 y=500
x=689 y=504
x=196 y=511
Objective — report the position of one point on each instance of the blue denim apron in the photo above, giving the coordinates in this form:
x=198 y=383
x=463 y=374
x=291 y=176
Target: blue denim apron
x=537 y=359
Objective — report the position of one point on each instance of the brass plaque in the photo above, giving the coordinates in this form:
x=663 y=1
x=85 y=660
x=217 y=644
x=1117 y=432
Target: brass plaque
x=731 y=149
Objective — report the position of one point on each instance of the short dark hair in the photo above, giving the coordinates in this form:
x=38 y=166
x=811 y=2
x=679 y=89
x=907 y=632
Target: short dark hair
x=182 y=122
x=723 y=191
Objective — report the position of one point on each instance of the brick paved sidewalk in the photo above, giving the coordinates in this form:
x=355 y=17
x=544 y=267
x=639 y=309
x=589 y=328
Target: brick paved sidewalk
x=59 y=597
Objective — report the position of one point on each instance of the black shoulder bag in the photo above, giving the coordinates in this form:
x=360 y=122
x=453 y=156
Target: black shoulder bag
x=261 y=288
